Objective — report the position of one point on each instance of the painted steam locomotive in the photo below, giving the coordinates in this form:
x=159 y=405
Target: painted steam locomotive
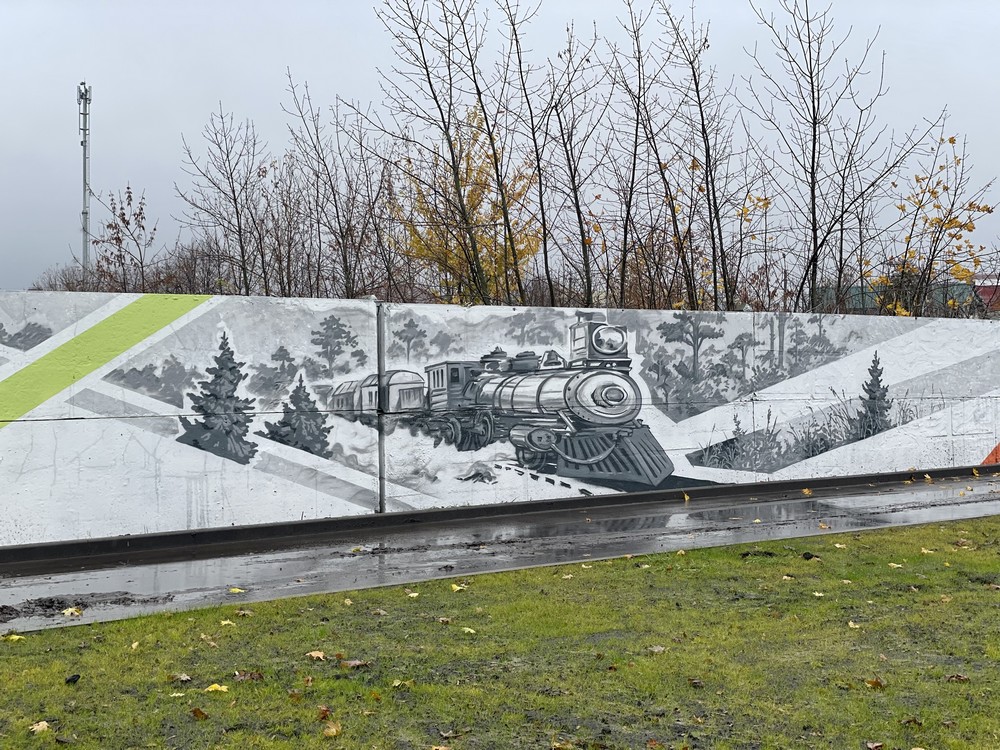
x=575 y=418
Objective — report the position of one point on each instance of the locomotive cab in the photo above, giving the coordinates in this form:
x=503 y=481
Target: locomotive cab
x=446 y=383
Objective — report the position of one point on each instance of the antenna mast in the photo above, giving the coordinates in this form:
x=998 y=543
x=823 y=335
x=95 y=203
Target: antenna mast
x=83 y=98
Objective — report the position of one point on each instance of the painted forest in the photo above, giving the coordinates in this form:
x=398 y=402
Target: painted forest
x=591 y=173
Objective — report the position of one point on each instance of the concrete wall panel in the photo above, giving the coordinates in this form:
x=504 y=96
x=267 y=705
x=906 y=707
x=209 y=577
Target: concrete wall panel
x=128 y=414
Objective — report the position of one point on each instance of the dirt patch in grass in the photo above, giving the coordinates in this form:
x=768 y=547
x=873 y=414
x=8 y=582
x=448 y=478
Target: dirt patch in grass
x=53 y=606
x=882 y=636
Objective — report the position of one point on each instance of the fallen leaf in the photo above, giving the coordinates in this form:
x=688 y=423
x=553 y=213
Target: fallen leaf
x=895 y=565
x=308 y=680
x=12 y=637
x=681 y=552
x=198 y=714
x=975 y=472
x=807 y=492
x=957 y=678
x=244 y=613
x=227 y=622
x=295 y=695
x=656 y=649
x=927 y=478
x=72 y=612
x=874 y=746
x=324 y=713
x=203 y=637
x=687 y=497
x=379 y=612
x=818 y=593
x=695 y=682
x=241 y=676
x=332 y=729
x=412 y=594
x=925 y=551
x=757 y=520
x=840 y=546
x=237 y=590
x=469 y=630
x=912 y=721
x=177 y=695
x=643 y=566
x=823 y=525
x=216 y=688
x=135 y=645
x=567 y=576
x=354 y=663
x=444 y=620
x=846 y=580
x=787 y=578
x=317 y=655
x=348 y=602
x=852 y=624
x=585 y=566
x=39 y=726
x=875 y=683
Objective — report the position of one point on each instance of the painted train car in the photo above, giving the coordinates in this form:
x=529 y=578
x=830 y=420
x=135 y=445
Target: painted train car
x=575 y=418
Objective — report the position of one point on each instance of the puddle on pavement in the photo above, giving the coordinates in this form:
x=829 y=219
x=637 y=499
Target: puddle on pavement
x=439 y=550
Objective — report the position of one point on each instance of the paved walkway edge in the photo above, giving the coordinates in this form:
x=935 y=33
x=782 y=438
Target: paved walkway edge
x=237 y=540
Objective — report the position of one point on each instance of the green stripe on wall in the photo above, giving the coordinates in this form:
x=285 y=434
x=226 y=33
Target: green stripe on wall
x=52 y=373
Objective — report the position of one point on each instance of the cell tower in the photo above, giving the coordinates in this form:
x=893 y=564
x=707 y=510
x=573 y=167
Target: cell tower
x=83 y=98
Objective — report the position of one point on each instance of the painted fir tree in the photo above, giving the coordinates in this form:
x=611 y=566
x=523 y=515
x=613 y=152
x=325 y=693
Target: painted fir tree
x=302 y=425
x=225 y=421
x=873 y=417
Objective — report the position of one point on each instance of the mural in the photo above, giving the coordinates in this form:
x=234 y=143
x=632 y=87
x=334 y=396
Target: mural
x=125 y=414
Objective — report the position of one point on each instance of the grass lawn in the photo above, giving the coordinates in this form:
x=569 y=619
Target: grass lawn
x=845 y=641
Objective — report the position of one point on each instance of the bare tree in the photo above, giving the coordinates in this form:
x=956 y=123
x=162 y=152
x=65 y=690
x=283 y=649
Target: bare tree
x=832 y=154
x=224 y=199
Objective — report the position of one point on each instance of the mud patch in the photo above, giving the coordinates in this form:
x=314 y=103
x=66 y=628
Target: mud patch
x=50 y=606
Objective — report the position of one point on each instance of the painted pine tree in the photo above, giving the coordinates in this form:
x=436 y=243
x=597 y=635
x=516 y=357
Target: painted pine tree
x=873 y=417
x=302 y=425
x=225 y=421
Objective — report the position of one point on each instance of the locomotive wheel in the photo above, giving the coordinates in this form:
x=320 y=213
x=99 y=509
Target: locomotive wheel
x=481 y=433
x=451 y=431
x=541 y=461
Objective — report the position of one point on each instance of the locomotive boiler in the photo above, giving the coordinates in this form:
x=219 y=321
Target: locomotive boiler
x=575 y=418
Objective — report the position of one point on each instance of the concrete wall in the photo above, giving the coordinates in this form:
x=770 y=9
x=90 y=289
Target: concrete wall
x=130 y=414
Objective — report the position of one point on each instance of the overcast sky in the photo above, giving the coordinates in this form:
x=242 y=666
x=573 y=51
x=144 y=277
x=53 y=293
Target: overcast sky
x=158 y=69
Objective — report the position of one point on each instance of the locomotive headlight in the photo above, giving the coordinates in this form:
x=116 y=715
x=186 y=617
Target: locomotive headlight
x=601 y=396
x=610 y=396
x=608 y=340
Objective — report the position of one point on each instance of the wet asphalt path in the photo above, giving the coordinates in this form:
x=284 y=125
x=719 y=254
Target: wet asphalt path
x=341 y=561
